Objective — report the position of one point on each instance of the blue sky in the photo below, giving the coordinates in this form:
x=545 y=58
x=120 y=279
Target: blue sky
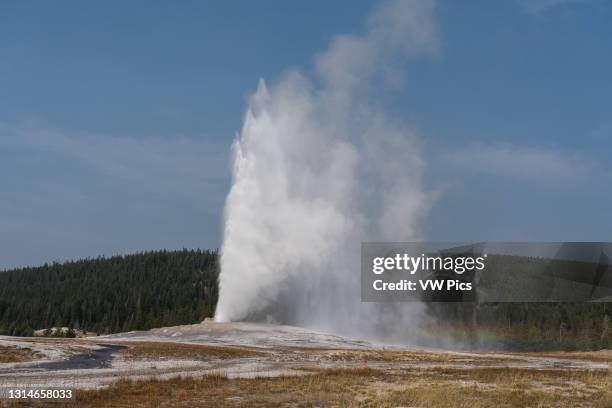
x=116 y=118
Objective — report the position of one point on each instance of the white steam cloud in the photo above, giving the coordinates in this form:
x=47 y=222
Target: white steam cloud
x=317 y=169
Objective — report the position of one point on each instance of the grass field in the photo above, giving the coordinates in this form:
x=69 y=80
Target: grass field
x=366 y=387
x=11 y=354
x=156 y=350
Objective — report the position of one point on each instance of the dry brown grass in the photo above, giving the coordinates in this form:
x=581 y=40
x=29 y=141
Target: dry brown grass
x=507 y=387
x=600 y=356
x=216 y=390
x=425 y=356
x=386 y=355
x=182 y=351
x=12 y=354
x=477 y=396
x=367 y=387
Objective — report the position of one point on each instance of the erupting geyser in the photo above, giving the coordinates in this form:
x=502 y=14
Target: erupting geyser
x=317 y=168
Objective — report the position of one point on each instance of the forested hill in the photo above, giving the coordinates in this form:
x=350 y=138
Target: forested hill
x=166 y=288
x=105 y=295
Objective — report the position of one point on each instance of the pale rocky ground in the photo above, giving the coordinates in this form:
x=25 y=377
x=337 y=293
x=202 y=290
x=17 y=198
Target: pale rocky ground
x=240 y=350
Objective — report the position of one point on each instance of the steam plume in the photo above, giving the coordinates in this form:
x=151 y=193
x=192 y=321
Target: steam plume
x=317 y=169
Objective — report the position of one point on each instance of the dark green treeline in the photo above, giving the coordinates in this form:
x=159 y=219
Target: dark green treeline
x=106 y=295
x=165 y=288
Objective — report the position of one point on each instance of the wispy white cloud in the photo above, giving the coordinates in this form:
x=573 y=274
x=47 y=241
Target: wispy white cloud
x=602 y=132
x=538 y=6
x=177 y=165
x=523 y=163
x=526 y=164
